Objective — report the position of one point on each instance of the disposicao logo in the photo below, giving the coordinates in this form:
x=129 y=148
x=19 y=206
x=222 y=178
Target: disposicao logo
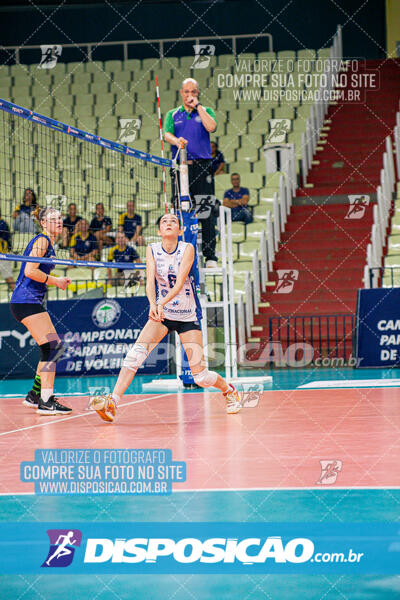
x=191 y=550
x=62 y=547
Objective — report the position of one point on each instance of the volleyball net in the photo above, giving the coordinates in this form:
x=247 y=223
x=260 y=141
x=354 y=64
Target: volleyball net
x=47 y=163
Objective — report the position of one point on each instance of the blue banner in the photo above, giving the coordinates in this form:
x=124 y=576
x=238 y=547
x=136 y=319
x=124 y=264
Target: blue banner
x=378 y=327
x=96 y=333
x=201 y=548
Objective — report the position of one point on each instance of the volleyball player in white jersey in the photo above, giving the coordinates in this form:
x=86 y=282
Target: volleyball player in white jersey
x=174 y=306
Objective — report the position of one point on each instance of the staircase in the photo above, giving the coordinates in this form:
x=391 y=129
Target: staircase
x=324 y=244
x=351 y=158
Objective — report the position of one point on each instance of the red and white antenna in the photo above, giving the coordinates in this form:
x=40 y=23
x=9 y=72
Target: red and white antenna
x=162 y=145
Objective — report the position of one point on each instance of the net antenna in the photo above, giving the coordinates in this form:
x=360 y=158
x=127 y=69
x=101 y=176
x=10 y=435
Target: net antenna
x=162 y=144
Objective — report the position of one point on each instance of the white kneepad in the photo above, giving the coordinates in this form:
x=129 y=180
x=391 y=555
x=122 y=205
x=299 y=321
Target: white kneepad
x=135 y=357
x=206 y=378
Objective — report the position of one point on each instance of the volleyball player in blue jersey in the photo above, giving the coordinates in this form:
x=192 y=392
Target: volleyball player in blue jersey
x=174 y=306
x=27 y=307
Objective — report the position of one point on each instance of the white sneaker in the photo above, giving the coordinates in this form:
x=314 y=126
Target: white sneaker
x=105 y=406
x=211 y=264
x=233 y=403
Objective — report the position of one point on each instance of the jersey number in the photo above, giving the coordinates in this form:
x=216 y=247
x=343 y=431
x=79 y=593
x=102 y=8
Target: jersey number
x=171 y=280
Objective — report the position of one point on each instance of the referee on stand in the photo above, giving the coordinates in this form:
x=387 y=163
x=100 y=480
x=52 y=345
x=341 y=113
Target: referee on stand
x=191 y=124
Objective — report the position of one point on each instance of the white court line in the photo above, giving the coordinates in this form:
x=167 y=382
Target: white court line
x=55 y=420
x=194 y=490
x=350 y=383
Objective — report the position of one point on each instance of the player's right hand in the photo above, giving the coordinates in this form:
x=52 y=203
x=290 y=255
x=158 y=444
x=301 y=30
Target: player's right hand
x=63 y=282
x=181 y=141
x=153 y=313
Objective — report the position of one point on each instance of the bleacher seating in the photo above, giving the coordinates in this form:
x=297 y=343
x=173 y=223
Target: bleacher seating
x=95 y=95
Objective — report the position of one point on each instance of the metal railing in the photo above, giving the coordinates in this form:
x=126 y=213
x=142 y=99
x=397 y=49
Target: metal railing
x=383 y=277
x=382 y=209
x=310 y=137
x=159 y=43
x=329 y=336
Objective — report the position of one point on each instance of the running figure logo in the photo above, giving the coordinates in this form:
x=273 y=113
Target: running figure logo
x=63 y=543
x=129 y=130
x=278 y=129
x=329 y=471
x=358 y=205
x=286 y=280
x=50 y=55
x=203 y=54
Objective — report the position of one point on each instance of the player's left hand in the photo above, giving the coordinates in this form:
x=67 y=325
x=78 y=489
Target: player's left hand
x=160 y=310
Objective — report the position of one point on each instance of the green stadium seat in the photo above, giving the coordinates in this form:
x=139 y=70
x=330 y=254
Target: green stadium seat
x=113 y=66
x=101 y=87
x=139 y=86
x=306 y=53
x=81 y=78
x=243 y=167
x=238 y=232
x=94 y=66
x=150 y=64
x=291 y=54
x=392 y=261
x=171 y=62
x=266 y=55
x=248 y=153
x=324 y=53
x=253 y=230
x=246 y=249
x=83 y=110
x=284 y=112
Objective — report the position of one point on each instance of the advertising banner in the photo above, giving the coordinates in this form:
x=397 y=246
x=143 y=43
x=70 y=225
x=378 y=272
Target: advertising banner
x=96 y=334
x=378 y=327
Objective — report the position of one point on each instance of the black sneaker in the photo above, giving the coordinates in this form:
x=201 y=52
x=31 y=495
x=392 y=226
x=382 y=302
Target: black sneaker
x=32 y=399
x=52 y=407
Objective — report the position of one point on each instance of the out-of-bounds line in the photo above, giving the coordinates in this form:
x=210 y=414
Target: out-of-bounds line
x=256 y=489
x=350 y=383
x=56 y=420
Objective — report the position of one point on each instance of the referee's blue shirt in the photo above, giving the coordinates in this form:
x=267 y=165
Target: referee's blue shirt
x=189 y=126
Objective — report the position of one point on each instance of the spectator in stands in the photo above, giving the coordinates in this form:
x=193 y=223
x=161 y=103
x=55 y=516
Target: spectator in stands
x=218 y=160
x=121 y=253
x=26 y=214
x=69 y=224
x=191 y=125
x=100 y=226
x=237 y=198
x=5 y=246
x=131 y=224
x=83 y=245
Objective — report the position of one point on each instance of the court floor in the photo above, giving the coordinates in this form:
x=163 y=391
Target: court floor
x=262 y=464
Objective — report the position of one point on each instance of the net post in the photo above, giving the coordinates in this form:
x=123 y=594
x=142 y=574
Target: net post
x=225 y=291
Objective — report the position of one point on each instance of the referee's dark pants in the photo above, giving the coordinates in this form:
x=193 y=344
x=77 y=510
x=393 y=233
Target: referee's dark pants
x=201 y=183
